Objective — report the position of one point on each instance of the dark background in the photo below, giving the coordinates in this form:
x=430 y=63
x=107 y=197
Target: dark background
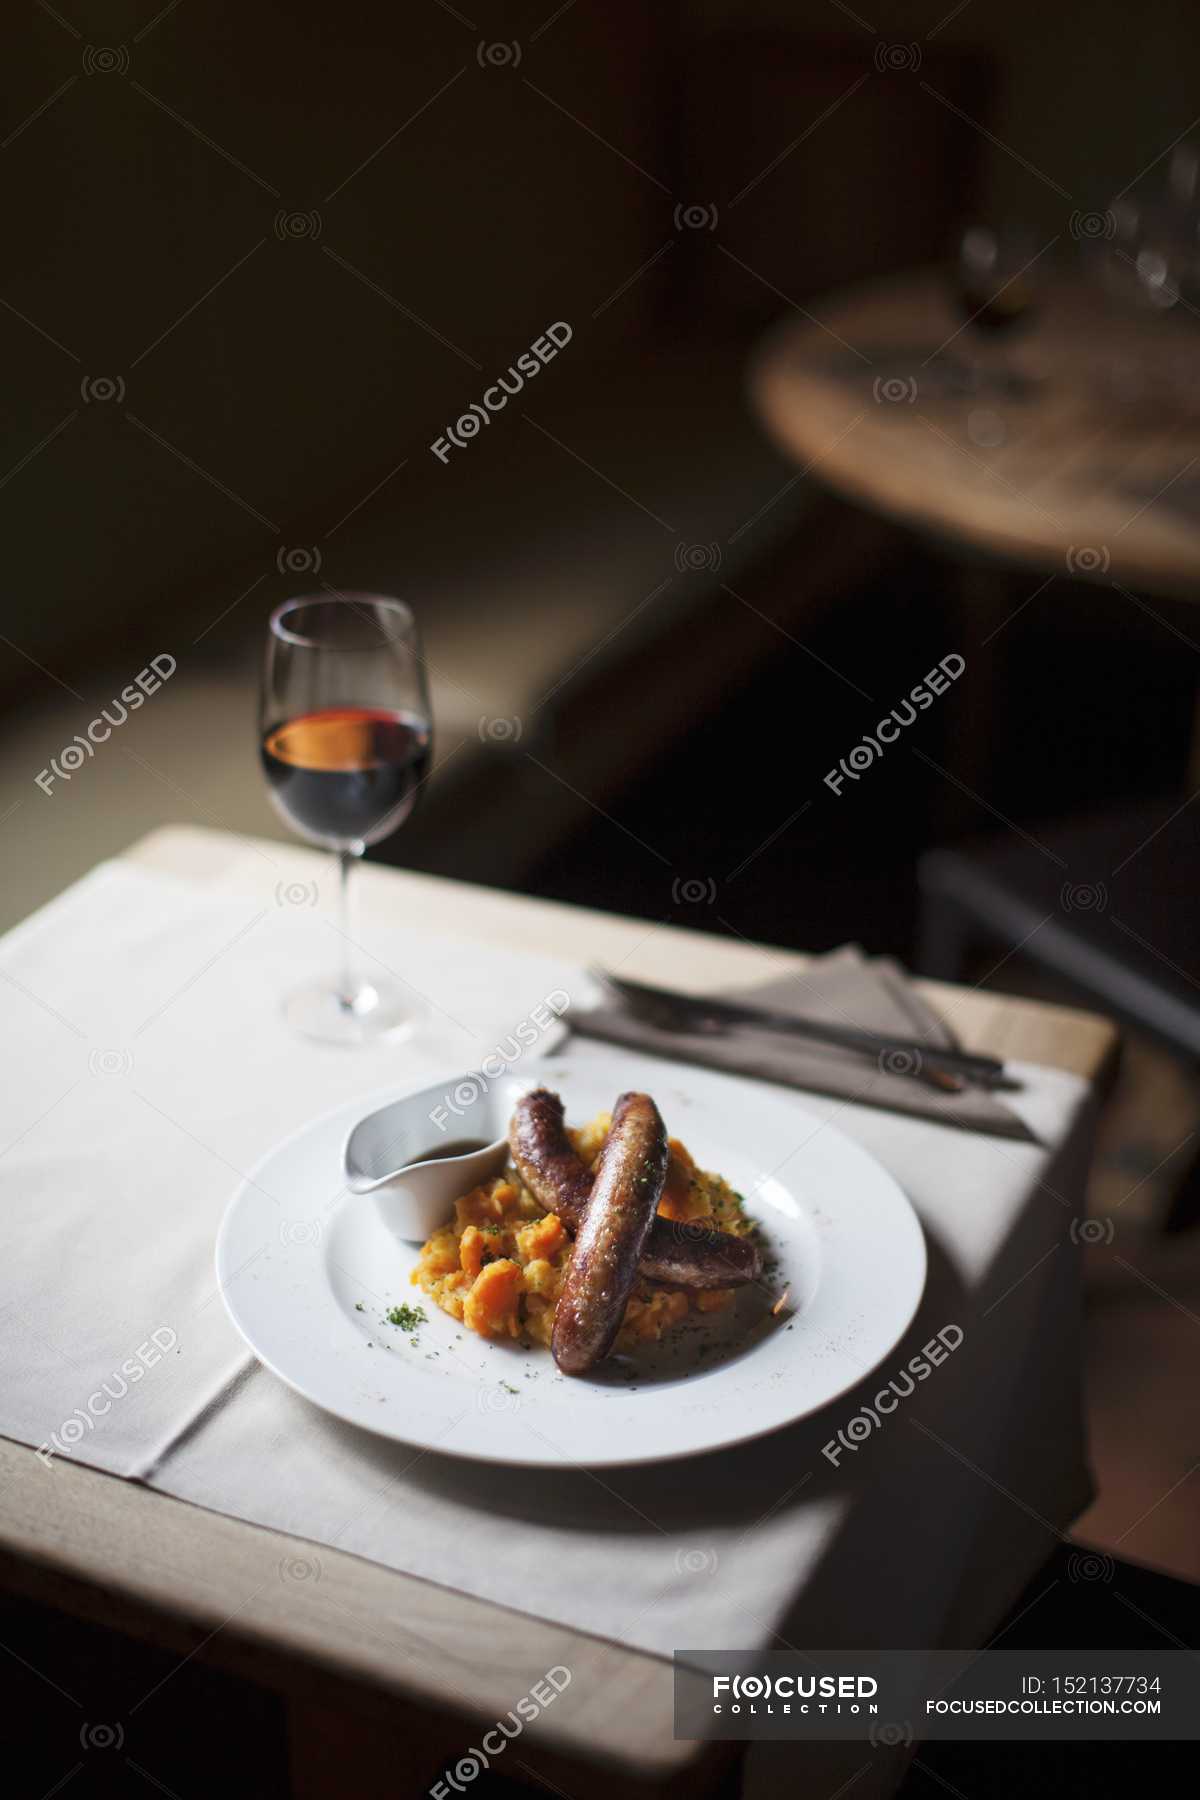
x=259 y=257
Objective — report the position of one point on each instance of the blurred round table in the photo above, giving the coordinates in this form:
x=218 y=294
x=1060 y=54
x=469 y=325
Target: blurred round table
x=1088 y=465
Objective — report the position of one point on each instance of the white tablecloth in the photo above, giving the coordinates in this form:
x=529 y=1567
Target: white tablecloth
x=146 y=1066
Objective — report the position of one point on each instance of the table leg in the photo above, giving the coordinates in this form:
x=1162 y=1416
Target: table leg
x=1192 y=772
x=986 y=603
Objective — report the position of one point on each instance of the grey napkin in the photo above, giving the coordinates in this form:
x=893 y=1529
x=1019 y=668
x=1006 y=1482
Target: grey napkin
x=843 y=988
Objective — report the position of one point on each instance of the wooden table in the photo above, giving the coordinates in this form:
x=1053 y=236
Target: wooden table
x=385 y=1674
x=1068 y=476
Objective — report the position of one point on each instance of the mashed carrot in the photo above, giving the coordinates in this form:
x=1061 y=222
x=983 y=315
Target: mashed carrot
x=499 y=1264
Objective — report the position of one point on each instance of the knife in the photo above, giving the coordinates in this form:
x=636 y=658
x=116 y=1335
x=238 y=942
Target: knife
x=704 y=1015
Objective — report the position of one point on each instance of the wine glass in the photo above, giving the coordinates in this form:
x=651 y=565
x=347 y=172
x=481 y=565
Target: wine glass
x=996 y=287
x=1147 y=264
x=345 y=734
x=1148 y=254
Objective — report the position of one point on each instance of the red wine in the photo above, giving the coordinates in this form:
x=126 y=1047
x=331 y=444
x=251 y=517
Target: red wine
x=995 y=311
x=346 y=774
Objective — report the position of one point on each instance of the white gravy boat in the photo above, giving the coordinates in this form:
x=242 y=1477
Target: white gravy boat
x=417 y=1155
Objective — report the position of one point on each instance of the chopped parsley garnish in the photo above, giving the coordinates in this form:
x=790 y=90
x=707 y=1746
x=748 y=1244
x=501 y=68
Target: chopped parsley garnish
x=407 y=1317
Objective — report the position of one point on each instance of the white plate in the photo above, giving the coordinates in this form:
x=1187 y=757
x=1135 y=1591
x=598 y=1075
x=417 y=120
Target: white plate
x=307 y=1272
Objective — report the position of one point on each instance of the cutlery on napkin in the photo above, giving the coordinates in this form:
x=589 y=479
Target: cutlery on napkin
x=845 y=990
x=713 y=1015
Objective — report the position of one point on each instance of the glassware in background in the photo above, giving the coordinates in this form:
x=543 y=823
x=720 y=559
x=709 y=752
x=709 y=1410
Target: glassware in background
x=1183 y=183
x=1183 y=177
x=1146 y=269
x=1147 y=254
x=997 y=282
x=345 y=735
x=1150 y=268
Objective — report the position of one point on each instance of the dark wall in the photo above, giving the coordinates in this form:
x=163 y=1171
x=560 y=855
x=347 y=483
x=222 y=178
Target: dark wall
x=257 y=253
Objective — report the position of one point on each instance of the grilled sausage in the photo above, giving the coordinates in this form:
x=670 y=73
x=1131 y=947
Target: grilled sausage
x=608 y=1245
x=674 y=1255
x=546 y=1159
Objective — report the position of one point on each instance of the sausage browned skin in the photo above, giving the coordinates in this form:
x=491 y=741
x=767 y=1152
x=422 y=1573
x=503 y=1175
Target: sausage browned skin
x=546 y=1159
x=674 y=1255
x=608 y=1245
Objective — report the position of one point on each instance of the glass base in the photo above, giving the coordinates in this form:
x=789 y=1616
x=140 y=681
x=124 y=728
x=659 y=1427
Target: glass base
x=379 y=1009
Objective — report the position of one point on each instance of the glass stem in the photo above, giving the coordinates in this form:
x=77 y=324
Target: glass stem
x=347 y=984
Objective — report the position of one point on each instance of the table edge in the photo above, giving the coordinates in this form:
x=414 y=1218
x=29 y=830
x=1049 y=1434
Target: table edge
x=1064 y=1037
x=123 y=1530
